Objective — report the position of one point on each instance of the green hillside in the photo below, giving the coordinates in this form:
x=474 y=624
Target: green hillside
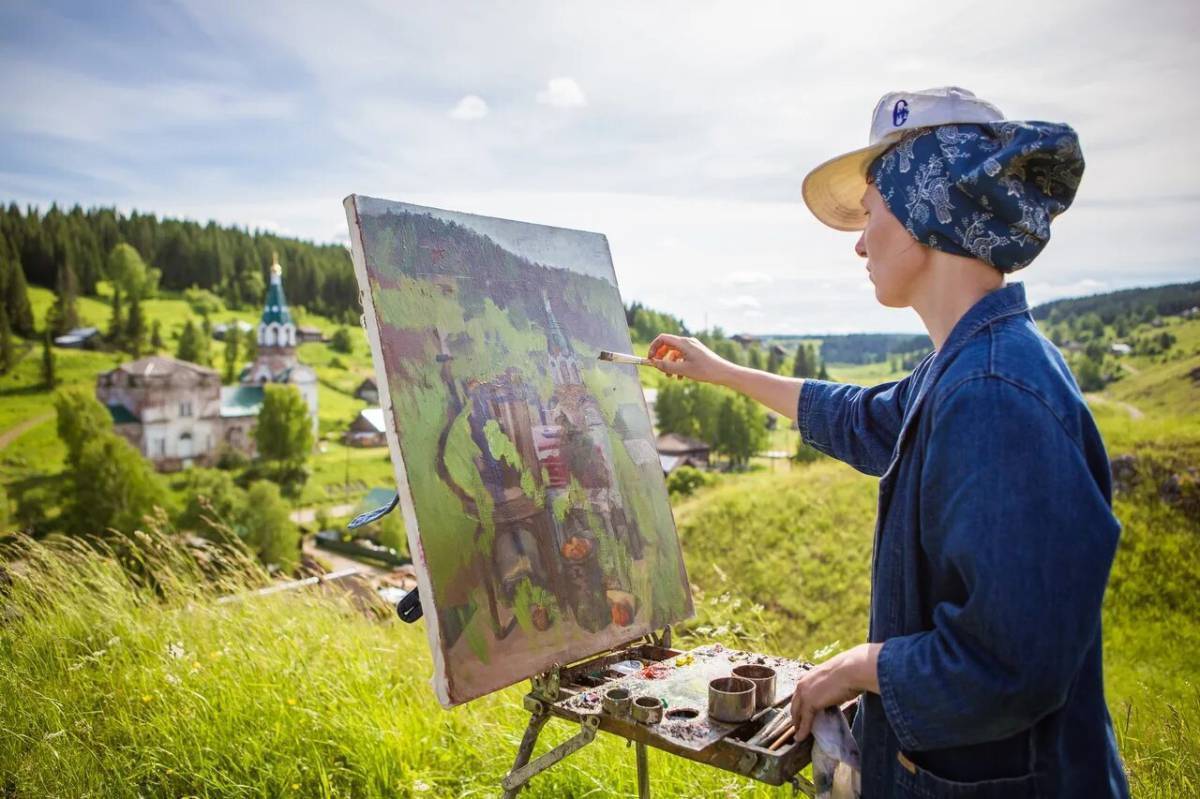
x=165 y=692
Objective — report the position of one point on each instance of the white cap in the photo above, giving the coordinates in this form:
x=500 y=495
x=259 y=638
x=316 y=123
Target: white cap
x=833 y=191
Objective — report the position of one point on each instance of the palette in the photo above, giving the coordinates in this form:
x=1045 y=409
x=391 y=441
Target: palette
x=681 y=682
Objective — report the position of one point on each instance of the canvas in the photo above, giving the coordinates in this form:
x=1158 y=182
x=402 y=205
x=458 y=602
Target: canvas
x=532 y=492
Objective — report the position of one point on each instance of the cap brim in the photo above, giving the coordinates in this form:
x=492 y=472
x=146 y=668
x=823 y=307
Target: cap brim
x=833 y=191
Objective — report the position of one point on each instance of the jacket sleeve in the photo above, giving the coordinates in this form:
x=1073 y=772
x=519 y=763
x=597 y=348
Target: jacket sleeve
x=856 y=425
x=1014 y=519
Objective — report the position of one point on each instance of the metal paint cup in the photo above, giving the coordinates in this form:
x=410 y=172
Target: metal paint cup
x=647 y=709
x=731 y=699
x=616 y=702
x=763 y=678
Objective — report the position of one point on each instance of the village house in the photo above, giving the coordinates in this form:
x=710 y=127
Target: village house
x=675 y=450
x=178 y=414
x=367 y=429
x=367 y=391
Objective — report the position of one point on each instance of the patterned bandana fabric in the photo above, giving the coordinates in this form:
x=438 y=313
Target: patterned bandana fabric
x=985 y=191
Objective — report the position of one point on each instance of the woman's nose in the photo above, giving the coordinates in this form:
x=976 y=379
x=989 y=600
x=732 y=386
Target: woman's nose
x=860 y=246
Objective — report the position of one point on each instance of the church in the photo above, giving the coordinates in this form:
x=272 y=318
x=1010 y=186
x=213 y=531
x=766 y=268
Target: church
x=178 y=414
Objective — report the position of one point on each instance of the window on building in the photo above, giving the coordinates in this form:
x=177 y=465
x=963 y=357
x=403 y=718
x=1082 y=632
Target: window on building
x=185 y=408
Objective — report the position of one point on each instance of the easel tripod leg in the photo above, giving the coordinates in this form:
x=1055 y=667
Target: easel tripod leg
x=643 y=772
x=532 y=731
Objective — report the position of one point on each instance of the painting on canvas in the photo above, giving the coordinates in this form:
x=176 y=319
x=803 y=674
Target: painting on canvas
x=532 y=492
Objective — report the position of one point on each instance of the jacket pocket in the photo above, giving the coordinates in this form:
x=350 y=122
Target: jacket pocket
x=914 y=781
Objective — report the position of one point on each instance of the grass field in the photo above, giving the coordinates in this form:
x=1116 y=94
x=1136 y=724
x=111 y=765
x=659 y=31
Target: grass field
x=113 y=684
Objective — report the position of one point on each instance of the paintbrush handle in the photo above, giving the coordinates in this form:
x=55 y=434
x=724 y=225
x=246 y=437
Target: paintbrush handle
x=788 y=733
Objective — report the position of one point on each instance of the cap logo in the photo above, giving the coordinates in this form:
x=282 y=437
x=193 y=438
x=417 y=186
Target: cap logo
x=899 y=113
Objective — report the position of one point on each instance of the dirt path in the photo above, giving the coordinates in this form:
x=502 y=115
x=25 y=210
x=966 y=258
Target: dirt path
x=11 y=434
x=1134 y=411
x=307 y=515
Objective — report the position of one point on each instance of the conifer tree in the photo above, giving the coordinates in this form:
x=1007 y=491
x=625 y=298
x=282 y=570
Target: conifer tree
x=49 y=378
x=116 y=321
x=6 y=342
x=65 y=316
x=156 y=339
x=135 y=328
x=232 y=336
x=801 y=366
x=189 y=343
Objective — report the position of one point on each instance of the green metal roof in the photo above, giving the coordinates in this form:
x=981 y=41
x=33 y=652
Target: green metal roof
x=275 y=308
x=122 y=415
x=241 y=400
x=377 y=497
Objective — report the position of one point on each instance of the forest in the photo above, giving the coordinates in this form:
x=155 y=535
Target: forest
x=66 y=251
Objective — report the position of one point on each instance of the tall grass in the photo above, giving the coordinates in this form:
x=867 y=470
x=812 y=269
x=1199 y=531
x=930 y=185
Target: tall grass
x=114 y=685
x=121 y=675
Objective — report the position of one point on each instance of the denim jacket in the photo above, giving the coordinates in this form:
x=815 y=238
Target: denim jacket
x=993 y=544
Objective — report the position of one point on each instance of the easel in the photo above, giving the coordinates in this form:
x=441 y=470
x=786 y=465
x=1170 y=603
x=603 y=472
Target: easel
x=548 y=688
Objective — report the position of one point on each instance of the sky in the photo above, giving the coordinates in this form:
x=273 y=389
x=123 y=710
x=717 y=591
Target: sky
x=681 y=130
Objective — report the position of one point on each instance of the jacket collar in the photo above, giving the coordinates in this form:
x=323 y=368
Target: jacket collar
x=1003 y=302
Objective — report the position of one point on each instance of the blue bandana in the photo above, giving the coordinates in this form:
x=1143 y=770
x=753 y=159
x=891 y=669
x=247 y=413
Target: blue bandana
x=985 y=191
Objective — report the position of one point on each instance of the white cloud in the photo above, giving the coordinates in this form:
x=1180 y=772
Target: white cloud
x=470 y=108
x=740 y=301
x=562 y=93
x=741 y=278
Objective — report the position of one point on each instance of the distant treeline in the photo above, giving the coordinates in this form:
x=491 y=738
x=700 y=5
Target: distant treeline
x=859 y=348
x=59 y=247
x=1155 y=301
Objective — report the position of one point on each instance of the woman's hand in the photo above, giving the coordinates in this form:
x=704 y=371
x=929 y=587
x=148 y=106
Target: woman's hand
x=836 y=681
x=681 y=357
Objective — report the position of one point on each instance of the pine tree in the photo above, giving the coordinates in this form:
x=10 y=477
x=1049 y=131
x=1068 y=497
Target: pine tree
x=801 y=367
x=116 y=321
x=189 y=343
x=232 y=335
x=156 y=339
x=16 y=294
x=774 y=361
x=135 y=328
x=49 y=378
x=65 y=316
x=823 y=375
x=6 y=342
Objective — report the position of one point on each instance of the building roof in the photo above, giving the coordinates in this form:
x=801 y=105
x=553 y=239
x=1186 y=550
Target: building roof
x=376 y=498
x=122 y=415
x=275 y=308
x=675 y=444
x=161 y=366
x=373 y=417
x=241 y=400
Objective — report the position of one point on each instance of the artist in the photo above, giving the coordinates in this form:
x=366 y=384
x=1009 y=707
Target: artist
x=995 y=533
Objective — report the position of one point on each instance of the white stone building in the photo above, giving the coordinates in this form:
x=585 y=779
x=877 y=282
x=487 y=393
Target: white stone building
x=178 y=413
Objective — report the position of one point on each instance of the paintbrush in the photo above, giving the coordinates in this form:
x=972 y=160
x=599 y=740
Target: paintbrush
x=620 y=357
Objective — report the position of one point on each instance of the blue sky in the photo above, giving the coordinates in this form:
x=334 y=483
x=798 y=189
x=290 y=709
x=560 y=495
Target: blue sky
x=681 y=130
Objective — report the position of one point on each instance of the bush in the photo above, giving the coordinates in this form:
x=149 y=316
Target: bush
x=686 y=479
x=341 y=341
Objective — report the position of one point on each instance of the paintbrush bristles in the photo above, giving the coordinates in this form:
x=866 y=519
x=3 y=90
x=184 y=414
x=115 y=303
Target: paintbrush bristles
x=620 y=357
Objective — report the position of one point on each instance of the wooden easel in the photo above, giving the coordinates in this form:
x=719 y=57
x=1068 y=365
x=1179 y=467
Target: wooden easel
x=730 y=754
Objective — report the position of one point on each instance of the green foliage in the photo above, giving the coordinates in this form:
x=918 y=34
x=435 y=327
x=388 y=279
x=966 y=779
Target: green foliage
x=6 y=341
x=63 y=314
x=741 y=429
x=284 y=430
x=391 y=532
x=189 y=348
x=49 y=376
x=233 y=337
x=129 y=273
x=775 y=360
x=269 y=532
x=644 y=323
x=214 y=503
x=135 y=328
x=203 y=302
x=341 y=342
x=685 y=480
x=112 y=487
x=156 y=339
x=81 y=418
x=14 y=295
x=806 y=453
